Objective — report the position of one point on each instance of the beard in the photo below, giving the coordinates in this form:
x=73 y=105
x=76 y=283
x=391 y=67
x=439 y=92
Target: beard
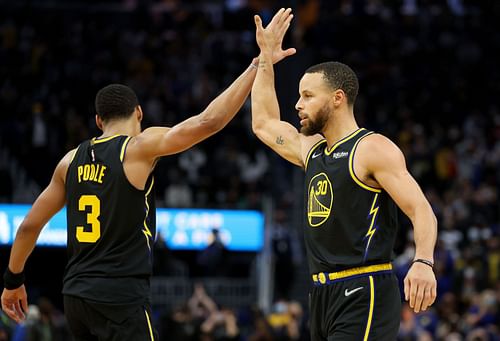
x=317 y=125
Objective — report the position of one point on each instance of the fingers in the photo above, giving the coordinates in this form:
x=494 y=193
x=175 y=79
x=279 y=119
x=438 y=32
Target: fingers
x=270 y=38
x=15 y=303
x=279 y=23
x=283 y=27
x=277 y=17
x=13 y=311
x=426 y=295
x=289 y=52
x=421 y=295
x=280 y=18
x=410 y=288
x=433 y=294
x=426 y=301
x=24 y=305
x=10 y=312
x=407 y=288
x=285 y=15
x=412 y=295
x=429 y=296
x=419 y=298
x=258 y=22
x=420 y=287
x=19 y=312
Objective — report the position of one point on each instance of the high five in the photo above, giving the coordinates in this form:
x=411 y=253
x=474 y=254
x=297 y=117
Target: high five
x=107 y=185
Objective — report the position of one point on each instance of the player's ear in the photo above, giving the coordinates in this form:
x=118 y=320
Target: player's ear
x=139 y=113
x=339 y=97
x=98 y=122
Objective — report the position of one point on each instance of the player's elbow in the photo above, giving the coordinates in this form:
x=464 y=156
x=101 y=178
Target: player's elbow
x=27 y=230
x=423 y=211
x=257 y=126
x=434 y=218
x=259 y=133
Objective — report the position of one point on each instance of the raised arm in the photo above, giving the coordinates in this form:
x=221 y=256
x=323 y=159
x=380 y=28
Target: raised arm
x=159 y=141
x=279 y=135
x=50 y=201
x=386 y=163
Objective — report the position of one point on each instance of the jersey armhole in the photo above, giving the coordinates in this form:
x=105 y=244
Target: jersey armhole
x=74 y=154
x=311 y=150
x=70 y=162
x=123 y=151
x=353 y=174
x=124 y=148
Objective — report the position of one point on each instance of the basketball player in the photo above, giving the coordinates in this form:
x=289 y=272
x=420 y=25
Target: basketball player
x=354 y=179
x=107 y=186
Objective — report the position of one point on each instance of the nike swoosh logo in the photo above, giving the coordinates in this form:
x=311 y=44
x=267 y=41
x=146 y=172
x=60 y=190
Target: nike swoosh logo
x=316 y=155
x=349 y=293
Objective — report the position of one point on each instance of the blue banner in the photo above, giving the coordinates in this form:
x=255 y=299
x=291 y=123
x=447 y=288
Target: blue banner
x=181 y=229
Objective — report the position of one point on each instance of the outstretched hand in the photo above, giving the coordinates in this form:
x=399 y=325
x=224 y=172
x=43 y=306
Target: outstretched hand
x=271 y=37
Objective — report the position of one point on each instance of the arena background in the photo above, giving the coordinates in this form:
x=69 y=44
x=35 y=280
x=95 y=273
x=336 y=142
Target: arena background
x=429 y=80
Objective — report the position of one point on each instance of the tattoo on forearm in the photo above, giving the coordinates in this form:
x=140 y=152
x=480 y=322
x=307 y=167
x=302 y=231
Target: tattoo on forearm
x=279 y=140
x=262 y=64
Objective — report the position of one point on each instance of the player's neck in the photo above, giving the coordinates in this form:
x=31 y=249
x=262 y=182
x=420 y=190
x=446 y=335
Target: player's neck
x=120 y=127
x=338 y=128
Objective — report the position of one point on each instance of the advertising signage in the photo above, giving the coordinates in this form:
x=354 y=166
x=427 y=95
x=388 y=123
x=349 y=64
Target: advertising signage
x=181 y=229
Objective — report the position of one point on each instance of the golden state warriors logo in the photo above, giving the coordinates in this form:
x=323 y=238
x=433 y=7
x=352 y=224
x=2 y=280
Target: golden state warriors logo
x=320 y=200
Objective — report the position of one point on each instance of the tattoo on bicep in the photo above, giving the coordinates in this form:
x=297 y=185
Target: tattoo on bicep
x=279 y=140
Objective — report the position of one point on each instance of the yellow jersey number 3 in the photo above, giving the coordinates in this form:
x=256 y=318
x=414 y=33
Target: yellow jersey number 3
x=92 y=219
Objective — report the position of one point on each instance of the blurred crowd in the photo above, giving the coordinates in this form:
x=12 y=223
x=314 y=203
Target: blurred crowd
x=199 y=318
x=428 y=80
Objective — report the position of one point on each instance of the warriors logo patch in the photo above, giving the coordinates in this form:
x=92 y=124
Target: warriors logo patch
x=320 y=199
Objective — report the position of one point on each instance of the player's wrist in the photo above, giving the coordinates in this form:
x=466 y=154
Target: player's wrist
x=255 y=63
x=13 y=280
x=266 y=55
x=423 y=261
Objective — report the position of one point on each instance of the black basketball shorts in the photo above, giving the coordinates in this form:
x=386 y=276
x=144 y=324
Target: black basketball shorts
x=89 y=321
x=358 y=308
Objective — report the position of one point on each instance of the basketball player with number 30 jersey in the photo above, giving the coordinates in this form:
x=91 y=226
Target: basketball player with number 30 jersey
x=354 y=181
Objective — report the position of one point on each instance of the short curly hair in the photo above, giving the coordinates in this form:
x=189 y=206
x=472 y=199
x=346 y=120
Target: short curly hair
x=338 y=76
x=115 y=101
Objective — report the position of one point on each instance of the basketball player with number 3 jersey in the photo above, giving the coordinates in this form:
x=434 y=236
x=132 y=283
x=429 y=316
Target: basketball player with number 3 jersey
x=108 y=187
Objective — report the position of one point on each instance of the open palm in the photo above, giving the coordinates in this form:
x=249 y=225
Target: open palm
x=271 y=37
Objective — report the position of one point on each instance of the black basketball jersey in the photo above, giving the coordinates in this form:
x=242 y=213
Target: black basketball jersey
x=348 y=223
x=111 y=226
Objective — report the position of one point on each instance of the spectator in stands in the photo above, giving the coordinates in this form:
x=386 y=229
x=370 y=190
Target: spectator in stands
x=213 y=260
x=221 y=325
